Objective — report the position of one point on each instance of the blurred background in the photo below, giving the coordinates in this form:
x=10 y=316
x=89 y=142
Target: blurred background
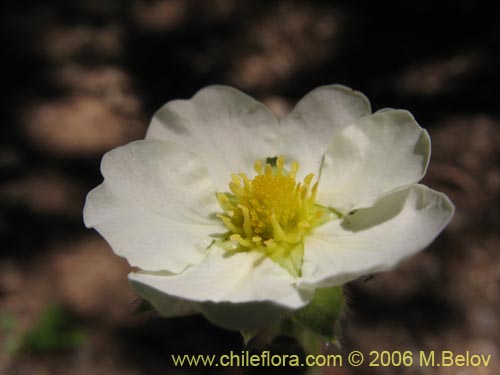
x=82 y=77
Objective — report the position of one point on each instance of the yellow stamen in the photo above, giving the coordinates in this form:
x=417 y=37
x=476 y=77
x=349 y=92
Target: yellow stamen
x=270 y=209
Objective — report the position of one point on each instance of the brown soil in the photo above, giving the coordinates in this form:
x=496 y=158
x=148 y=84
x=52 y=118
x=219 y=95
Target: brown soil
x=83 y=77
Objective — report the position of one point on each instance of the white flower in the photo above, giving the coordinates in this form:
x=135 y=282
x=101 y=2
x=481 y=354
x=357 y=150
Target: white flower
x=215 y=231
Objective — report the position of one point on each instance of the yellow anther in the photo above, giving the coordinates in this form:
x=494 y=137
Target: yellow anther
x=280 y=162
x=294 y=169
x=269 y=243
x=222 y=198
x=240 y=240
x=308 y=179
x=314 y=192
x=257 y=240
x=235 y=189
x=304 y=224
x=258 y=166
x=228 y=223
x=235 y=179
x=245 y=179
x=247 y=224
x=270 y=209
x=224 y=201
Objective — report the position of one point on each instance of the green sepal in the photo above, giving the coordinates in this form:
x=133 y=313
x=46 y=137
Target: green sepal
x=313 y=326
x=321 y=315
x=310 y=341
x=143 y=307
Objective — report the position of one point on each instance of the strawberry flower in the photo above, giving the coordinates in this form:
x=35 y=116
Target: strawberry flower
x=230 y=213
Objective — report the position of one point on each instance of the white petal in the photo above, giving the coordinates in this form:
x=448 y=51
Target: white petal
x=155 y=206
x=249 y=284
x=228 y=130
x=164 y=304
x=243 y=317
x=375 y=239
x=386 y=109
x=375 y=155
x=309 y=128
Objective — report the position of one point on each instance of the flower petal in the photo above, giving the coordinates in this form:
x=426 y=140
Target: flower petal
x=376 y=154
x=165 y=305
x=375 y=239
x=244 y=317
x=244 y=283
x=309 y=128
x=155 y=206
x=227 y=129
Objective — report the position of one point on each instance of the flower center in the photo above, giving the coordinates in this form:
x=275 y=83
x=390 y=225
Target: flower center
x=272 y=212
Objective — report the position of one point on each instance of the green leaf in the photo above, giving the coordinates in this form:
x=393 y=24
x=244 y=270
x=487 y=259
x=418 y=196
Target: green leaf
x=55 y=330
x=11 y=341
x=322 y=313
x=8 y=321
